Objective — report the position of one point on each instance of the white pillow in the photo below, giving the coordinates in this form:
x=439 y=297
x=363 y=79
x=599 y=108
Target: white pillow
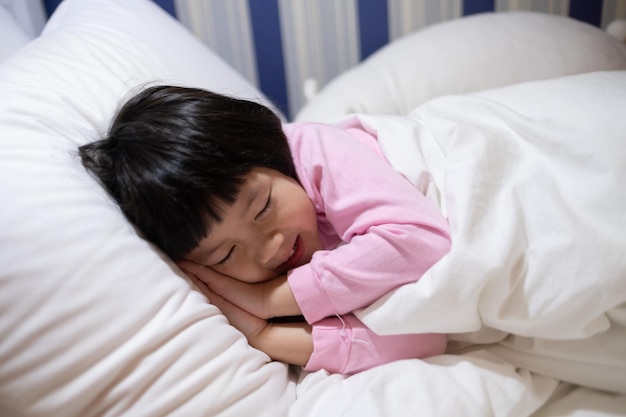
x=473 y=53
x=93 y=319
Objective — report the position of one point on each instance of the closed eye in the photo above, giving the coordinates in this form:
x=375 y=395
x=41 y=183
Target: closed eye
x=226 y=260
x=266 y=208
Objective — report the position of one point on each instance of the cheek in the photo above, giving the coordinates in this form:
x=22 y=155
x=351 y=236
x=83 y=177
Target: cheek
x=248 y=272
x=309 y=223
x=311 y=215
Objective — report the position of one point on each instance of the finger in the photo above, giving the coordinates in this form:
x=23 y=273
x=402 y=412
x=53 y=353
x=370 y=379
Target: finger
x=247 y=323
x=215 y=280
x=245 y=295
x=243 y=321
x=250 y=297
x=201 y=286
x=227 y=308
x=196 y=269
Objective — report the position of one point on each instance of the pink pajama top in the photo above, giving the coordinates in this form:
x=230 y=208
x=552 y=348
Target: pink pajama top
x=378 y=232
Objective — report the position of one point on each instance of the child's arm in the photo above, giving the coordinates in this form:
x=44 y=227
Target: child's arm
x=336 y=344
x=391 y=233
x=345 y=345
x=286 y=342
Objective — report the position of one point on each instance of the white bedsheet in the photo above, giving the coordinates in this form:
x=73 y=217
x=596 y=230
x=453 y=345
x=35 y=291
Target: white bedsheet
x=94 y=321
x=532 y=179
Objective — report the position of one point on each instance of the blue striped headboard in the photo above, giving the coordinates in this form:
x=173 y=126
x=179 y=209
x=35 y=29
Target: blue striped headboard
x=278 y=44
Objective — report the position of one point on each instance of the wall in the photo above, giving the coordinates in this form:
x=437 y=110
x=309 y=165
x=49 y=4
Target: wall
x=280 y=44
x=29 y=14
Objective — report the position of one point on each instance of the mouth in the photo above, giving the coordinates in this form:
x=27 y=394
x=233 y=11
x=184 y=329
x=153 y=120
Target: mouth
x=295 y=256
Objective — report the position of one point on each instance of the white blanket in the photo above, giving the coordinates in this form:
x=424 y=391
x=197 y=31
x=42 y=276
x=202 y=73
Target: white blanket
x=532 y=179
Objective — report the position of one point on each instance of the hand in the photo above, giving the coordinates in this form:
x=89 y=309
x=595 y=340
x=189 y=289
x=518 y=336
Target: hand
x=288 y=342
x=265 y=300
x=248 y=324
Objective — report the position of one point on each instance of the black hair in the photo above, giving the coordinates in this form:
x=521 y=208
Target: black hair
x=174 y=155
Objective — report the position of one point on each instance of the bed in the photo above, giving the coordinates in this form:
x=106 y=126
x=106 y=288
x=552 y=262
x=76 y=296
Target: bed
x=525 y=156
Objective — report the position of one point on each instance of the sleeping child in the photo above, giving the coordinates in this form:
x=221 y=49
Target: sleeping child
x=298 y=220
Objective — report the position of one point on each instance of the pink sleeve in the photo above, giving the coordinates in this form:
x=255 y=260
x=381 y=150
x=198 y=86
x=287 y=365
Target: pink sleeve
x=392 y=233
x=346 y=346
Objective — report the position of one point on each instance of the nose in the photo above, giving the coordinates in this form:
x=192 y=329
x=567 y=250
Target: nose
x=268 y=249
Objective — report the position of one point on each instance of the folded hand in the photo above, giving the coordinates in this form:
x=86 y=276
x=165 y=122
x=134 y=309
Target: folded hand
x=287 y=342
x=265 y=300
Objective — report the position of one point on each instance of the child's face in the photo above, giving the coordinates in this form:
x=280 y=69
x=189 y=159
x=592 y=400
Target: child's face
x=270 y=229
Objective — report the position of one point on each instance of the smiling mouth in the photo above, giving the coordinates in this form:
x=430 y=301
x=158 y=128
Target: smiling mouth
x=294 y=256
